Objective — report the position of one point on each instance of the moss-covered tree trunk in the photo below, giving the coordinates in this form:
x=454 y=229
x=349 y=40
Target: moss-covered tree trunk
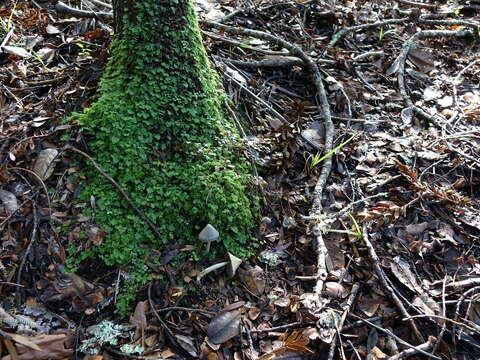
x=159 y=130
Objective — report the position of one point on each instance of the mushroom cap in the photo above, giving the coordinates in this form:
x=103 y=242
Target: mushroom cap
x=233 y=264
x=208 y=234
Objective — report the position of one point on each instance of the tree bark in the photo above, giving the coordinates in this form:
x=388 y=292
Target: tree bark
x=159 y=130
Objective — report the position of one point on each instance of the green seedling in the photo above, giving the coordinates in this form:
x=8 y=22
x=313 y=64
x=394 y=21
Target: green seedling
x=37 y=57
x=358 y=233
x=317 y=158
x=384 y=33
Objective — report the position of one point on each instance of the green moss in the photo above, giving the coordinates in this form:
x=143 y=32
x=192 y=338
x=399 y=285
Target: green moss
x=158 y=129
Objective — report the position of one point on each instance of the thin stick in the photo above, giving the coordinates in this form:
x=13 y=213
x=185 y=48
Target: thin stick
x=64 y=8
x=278 y=328
x=27 y=251
x=348 y=305
x=475 y=329
x=400 y=340
x=409 y=352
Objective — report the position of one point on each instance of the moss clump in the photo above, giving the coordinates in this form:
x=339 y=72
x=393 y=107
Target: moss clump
x=158 y=129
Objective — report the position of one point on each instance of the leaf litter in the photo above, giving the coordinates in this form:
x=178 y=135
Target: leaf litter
x=408 y=180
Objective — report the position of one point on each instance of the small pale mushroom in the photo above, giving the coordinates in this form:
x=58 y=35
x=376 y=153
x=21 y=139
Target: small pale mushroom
x=232 y=265
x=207 y=235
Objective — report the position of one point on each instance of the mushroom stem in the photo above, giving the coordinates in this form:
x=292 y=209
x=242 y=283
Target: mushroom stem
x=210 y=269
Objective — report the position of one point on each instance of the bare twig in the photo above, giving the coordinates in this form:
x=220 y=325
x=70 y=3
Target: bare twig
x=341 y=33
x=39 y=179
x=241 y=45
x=278 y=328
x=391 y=334
x=455 y=91
x=472 y=327
x=417 y=4
x=346 y=311
x=412 y=351
x=311 y=66
x=462 y=284
x=187 y=309
x=13 y=213
x=64 y=8
x=101 y=3
x=27 y=251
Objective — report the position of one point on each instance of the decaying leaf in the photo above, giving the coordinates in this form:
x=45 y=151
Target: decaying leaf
x=9 y=201
x=254 y=279
x=426 y=304
x=401 y=269
x=422 y=59
x=43 y=166
x=334 y=289
x=16 y=50
x=187 y=344
x=224 y=326
x=43 y=347
x=315 y=133
x=292 y=344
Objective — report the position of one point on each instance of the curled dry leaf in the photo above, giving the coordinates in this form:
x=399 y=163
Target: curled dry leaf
x=16 y=50
x=42 y=347
x=401 y=269
x=224 y=326
x=334 y=289
x=426 y=304
x=254 y=279
x=43 y=166
x=9 y=201
x=187 y=344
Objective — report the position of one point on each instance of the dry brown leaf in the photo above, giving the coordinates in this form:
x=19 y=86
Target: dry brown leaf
x=224 y=326
x=43 y=166
x=254 y=279
x=52 y=347
x=9 y=201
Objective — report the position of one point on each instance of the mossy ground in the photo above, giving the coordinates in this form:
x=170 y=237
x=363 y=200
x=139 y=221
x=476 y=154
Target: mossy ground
x=158 y=129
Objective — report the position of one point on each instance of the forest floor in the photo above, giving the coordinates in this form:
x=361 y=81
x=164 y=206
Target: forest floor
x=379 y=260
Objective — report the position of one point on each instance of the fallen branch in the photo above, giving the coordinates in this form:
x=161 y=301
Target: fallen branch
x=64 y=8
x=27 y=251
x=398 y=339
x=346 y=311
x=412 y=351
